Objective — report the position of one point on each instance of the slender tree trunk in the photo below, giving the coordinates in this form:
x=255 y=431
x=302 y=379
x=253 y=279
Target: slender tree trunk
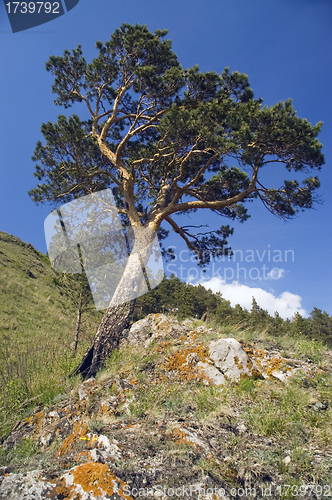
x=78 y=324
x=120 y=310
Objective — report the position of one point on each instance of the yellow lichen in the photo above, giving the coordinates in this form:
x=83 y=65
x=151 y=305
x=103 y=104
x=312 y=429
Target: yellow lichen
x=93 y=478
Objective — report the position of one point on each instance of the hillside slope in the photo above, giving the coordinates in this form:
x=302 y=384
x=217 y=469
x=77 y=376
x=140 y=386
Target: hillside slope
x=37 y=323
x=174 y=413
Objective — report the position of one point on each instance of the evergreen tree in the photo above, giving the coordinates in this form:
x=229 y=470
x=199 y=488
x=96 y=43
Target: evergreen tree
x=168 y=141
x=320 y=327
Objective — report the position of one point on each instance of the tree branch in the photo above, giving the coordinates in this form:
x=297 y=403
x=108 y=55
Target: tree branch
x=182 y=233
x=212 y=205
x=139 y=129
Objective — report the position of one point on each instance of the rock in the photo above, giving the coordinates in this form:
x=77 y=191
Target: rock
x=5 y=470
x=241 y=428
x=120 y=430
x=91 y=481
x=320 y=405
x=231 y=359
x=29 y=485
x=211 y=373
x=53 y=414
x=86 y=388
x=154 y=326
x=274 y=366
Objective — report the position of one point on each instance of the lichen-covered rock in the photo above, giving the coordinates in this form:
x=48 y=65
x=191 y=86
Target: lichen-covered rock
x=154 y=326
x=26 y=486
x=90 y=481
x=153 y=419
x=86 y=388
x=211 y=374
x=231 y=359
x=274 y=366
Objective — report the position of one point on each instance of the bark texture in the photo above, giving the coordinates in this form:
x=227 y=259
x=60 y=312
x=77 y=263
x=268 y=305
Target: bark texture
x=109 y=333
x=118 y=315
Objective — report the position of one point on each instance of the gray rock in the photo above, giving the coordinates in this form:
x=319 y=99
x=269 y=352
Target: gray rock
x=151 y=327
x=231 y=359
x=28 y=486
x=211 y=373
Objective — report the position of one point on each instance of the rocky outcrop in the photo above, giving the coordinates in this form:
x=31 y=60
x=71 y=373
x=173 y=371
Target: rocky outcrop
x=129 y=434
x=153 y=327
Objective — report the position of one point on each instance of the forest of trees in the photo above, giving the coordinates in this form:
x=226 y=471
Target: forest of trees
x=188 y=301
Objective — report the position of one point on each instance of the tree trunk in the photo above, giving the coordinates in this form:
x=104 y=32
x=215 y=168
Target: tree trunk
x=120 y=310
x=78 y=324
x=107 y=338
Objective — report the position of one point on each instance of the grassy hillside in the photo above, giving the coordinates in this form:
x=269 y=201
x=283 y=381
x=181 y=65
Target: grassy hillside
x=148 y=401
x=37 y=323
x=38 y=309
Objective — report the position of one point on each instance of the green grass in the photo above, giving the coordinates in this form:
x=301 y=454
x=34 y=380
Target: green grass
x=37 y=321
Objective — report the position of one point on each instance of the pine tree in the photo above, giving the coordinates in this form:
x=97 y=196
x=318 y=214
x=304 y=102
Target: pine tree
x=168 y=141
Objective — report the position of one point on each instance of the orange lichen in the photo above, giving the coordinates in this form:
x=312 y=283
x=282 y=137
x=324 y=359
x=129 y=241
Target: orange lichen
x=184 y=362
x=33 y=419
x=98 y=479
x=92 y=478
x=192 y=336
x=82 y=454
x=267 y=363
x=61 y=491
x=237 y=363
x=79 y=431
x=161 y=347
x=105 y=410
x=180 y=436
x=38 y=421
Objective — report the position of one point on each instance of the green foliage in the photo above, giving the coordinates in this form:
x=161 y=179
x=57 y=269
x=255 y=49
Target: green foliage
x=206 y=400
x=312 y=349
x=188 y=301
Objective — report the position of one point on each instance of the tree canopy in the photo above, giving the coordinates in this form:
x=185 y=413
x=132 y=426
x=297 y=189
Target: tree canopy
x=169 y=140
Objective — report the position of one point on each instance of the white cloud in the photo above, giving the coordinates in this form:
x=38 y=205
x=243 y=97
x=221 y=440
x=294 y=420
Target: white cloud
x=287 y=304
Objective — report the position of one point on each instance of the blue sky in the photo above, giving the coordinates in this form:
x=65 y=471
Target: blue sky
x=285 y=48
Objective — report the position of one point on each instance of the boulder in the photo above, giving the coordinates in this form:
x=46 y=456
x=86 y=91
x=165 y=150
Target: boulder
x=25 y=486
x=231 y=360
x=89 y=481
x=154 y=326
x=211 y=374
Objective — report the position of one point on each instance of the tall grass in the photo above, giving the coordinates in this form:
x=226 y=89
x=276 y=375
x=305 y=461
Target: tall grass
x=37 y=322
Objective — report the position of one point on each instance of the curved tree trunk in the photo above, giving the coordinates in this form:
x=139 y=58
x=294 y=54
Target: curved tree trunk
x=120 y=310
